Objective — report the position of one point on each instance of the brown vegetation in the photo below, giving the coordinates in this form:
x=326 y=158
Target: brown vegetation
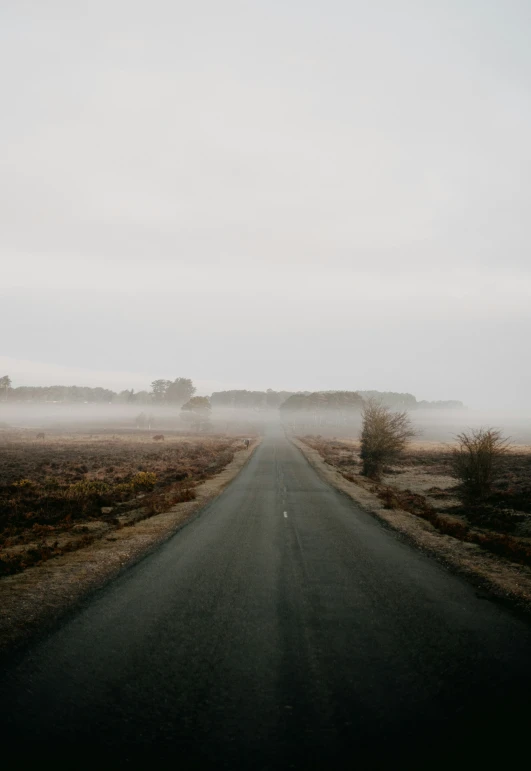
x=58 y=497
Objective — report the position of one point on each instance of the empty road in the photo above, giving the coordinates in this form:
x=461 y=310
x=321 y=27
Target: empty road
x=282 y=628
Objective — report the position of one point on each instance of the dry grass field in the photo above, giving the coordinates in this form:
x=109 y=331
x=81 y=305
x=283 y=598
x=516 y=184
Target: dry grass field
x=61 y=492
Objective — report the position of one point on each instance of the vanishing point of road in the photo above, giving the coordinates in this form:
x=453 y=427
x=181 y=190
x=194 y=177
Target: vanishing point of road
x=283 y=627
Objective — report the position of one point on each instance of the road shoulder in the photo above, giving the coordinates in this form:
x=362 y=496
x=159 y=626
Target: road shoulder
x=33 y=600
x=505 y=580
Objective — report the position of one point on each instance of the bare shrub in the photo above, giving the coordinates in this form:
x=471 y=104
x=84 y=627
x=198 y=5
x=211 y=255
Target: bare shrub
x=475 y=461
x=384 y=436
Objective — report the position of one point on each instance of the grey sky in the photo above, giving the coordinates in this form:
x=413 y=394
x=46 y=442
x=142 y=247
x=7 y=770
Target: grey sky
x=268 y=194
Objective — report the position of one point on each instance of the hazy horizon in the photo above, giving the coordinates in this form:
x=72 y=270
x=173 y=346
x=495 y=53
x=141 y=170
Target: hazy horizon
x=30 y=373
x=298 y=196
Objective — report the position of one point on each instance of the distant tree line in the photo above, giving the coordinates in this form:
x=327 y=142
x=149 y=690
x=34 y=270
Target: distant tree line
x=451 y=404
x=397 y=401
x=171 y=392
x=257 y=400
x=311 y=411
x=179 y=391
x=405 y=401
x=59 y=393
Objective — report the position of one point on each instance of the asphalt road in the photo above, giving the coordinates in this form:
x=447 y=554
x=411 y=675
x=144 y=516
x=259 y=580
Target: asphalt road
x=282 y=628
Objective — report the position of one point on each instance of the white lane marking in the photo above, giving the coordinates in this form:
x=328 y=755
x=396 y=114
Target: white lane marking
x=285 y=515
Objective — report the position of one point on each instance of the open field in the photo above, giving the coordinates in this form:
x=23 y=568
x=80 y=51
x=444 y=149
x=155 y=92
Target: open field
x=432 y=426
x=105 y=418
x=443 y=425
x=60 y=493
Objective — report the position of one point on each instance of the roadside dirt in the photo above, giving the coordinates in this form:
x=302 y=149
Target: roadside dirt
x=33 y=600
x=505 y=580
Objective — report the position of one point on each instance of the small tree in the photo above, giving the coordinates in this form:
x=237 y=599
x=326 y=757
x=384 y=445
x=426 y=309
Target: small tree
x=199 y=407
x=159 y=388
x=475 y=461
x=384 y=436
x=5 y=385
x=180 y=391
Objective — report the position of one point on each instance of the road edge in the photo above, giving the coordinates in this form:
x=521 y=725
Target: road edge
x=35 y=600
x=466 y=559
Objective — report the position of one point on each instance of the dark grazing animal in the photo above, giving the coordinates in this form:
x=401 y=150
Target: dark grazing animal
x=247 y=442
x=40 y=436
x=158 y=438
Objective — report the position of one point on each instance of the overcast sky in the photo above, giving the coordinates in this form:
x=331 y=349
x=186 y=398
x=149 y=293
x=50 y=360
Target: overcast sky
x=291 y=194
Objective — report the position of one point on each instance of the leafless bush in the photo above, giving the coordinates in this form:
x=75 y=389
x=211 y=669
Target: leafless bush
x=384 y=436
x=475 y=461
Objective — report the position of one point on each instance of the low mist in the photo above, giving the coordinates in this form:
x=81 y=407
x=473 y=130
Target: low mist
x=432 y=425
